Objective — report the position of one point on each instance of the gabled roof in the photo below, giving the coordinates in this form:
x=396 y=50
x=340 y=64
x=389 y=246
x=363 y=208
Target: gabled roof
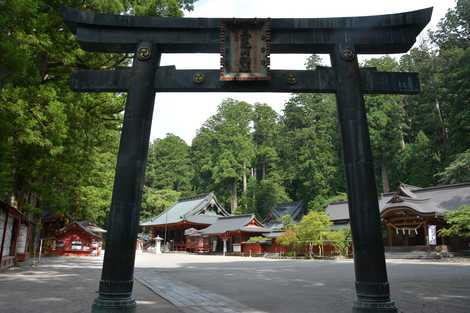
x=293 y=209
x=431 y=200
x=86 y=226
x=244 y=223
x=192 y=210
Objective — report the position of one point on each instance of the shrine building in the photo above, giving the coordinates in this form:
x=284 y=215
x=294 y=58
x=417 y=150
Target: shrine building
x=195 y=212
x=225 y=235
x=15 y=236
x=412 y=216
x=76 y=239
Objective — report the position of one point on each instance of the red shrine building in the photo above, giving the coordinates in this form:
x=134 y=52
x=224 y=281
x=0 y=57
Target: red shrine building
x=226 y=235
x=77 y=239
x=412 y=216
x=411 y=220
x=15 y=236
x=188 y=213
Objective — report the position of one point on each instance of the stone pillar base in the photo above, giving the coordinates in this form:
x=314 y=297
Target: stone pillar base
x=102 y=305
x=374 y=307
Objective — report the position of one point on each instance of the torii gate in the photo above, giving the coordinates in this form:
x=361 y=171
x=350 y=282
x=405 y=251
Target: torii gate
x=245 y=46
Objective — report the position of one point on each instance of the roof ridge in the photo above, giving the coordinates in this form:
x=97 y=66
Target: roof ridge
x=437 y=187
x=236 y=216
x=420 y=190
x=448 y=186
x=196 y=197
x=289 y=202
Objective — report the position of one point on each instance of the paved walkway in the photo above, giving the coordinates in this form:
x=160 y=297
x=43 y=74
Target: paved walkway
x=64 y=285
x=174 y=283
x=195 y=283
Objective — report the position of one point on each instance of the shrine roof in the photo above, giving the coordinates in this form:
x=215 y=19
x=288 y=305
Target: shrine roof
x=430 y=200
x=235 y=223
x=86 y=226
x=293 y=209
x=192 y=210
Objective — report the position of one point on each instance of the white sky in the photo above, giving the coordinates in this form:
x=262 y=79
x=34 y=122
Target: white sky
x=183 y=113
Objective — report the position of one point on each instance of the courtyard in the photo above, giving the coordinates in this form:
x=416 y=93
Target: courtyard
x=196 y=283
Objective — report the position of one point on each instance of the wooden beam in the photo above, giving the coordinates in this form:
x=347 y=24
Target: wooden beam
x=393 y=33
x=168 y=79
x=101 y=81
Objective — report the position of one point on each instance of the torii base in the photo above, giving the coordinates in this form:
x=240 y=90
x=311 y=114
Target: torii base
x=374 y=307
x=114 y=305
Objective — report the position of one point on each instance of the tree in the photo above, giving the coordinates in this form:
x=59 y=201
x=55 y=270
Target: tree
x=59 y=147
x=225 y=140
x=155 y=201
x=288 y=238
x=313 y=229
x=458 y=171
x=386 y=121
x=202 y=152
x=287 y=222
x=419 y=164
x=341 y=240
x=458 y=223
x=169 y=165
x=266 y=131
x=308 y=146
x=320 y=203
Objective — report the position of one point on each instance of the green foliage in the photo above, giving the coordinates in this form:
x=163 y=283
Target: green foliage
x=269 y=193
x=458 y=171
x=313 y=227
x=419 y=163
x=169 y=165
x=156 y=201
x=256 y=239
x=341 y=240
x=287 y=222
x=223 y=149
x=320 y=203
x=308 y=146
x=288 y=238
x=57 y=147
x=458 y=223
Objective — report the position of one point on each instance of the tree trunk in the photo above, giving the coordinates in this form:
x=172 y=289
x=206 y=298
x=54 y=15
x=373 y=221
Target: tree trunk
x=244 y=178
x=234 y=201
x=444 y=130
x=385 y=181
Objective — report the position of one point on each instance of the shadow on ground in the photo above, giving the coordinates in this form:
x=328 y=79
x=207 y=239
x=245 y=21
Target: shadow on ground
x=317 y=286
x=68 y=285
x=63 y=285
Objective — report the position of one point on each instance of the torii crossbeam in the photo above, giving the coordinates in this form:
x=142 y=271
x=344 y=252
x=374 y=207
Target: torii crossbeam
x=245 y=70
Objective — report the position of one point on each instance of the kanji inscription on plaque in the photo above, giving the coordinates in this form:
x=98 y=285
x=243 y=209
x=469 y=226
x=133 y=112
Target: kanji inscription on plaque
x=245 y=49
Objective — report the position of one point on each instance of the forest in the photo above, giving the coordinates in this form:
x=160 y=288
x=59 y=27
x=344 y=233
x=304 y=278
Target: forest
x=58 y=148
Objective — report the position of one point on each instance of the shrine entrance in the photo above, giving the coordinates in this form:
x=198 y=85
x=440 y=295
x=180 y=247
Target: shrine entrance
x=245 y=46
x=406 y=227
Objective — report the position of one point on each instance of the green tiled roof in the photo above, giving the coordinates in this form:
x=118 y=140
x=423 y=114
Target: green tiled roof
x=184 y=209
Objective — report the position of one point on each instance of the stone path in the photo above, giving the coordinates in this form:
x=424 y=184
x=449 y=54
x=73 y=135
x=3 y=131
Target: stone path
x=190 y=299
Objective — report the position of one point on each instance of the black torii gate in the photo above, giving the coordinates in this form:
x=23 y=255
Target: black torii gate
x=245 y=70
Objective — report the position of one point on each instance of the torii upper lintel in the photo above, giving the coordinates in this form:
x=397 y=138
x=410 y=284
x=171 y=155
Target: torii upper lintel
x=381 y=34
